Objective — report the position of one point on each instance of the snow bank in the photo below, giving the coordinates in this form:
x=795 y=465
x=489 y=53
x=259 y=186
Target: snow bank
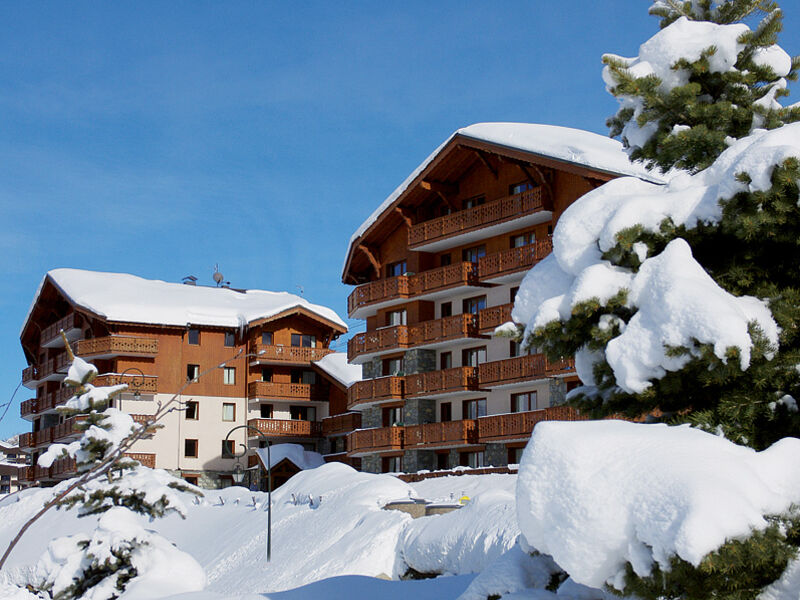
x=595 y=495
x=335 y=364
x=299 y=456
x=124 y=297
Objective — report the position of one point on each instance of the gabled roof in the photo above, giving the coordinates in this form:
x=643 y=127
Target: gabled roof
x=569 y=149
x=294 y=453
x=127 y=298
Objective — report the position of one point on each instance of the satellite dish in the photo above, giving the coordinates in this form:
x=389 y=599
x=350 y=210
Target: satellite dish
x=218 y=277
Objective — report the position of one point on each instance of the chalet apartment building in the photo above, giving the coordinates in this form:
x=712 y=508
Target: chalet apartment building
x=436 y=269
x=281 y=377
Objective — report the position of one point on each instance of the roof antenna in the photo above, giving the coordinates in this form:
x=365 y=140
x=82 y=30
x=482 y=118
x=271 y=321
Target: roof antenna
x=301 y=288
x=219 y=278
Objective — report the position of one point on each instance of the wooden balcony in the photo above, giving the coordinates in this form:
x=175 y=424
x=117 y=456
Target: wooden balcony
x=284 y=428
x=30 y=376
x=25 y=440
x=480 y=217
x=375 y=390
x=136 y=383
x=522 y=368
x=494 y=316
x=28 y=408
x=518 y=426
x=267 y=354
x=420 y=334
x=146 y=459
x=67 y=429
x=411 y=286
x=62 y=468
x=269 y=390
x=341 y=424
x=40 y=473
x=25 y=474
x=442 y=435
x=496 y=266
x=117 y=345
x=51 y=336
x=446 y=381
x=381 y=439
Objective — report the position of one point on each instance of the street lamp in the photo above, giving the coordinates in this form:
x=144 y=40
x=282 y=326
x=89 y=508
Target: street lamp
x=135 y=384
x=238 y=474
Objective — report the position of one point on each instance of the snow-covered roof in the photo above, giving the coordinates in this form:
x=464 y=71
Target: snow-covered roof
x=565 y=144
x=303 y=459
x=131 y=299
x=12 y=442
x=336 y=365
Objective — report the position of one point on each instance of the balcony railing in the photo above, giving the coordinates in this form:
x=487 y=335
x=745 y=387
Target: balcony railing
x=456 y=379
x=375 y=390
x=28 y=407
x=281 y=428
x=289 y=354
x=29 y=375
x=341 y=424
x=517 y=426
x=472 y=219
x=63 y=467
x=66 y=429
x=25 y=474
x=290 y=391
x=117 y=345
x=26 y=440
x=494 y=316
x=40 y=473
x=144 y=385
x=375 y=440
x=407 y=286
x=522 y=368
x=449 y=433
x=146 y=459
x=513 y=260
x=49 y=334
x=419 y=334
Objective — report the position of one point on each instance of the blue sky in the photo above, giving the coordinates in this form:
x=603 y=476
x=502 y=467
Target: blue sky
x=163 y=138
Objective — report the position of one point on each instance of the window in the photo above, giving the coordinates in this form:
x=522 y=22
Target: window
x=192 y=372
x=192 y=411
x=194 y=337
x=472 y=357
x=230 y=339
x=266 y=373
x=523 y=239
x=227 y=448
x=513 y=293
x=445 y=360
x=473 y=305
x=549 y=230
x=266 y=411
x=523 y=402
x=229 y=375
x=303 y=376
x=515 y=455
x=446 y=309
x=392 y=464
x=190 y=479
x=445 y=412
x=472 y=409
x=392 y=416
x=396 y=269
x=445 y=259
x=473 y=202
x=442 y=461
x=473 y=254
x=393 y=366
x=228 y=411
x=514 y=349
x=190 y=448
x=302 y=340
x=396 y=317
x=518 y=188
x=266 y=338
x=303 y=413
x=475 y=460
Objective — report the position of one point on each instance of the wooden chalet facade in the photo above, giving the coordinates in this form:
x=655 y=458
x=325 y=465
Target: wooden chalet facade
x=268 y=381
x=436 y=269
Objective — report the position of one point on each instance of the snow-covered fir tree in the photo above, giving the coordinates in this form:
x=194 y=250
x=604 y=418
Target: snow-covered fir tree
x=119 y=554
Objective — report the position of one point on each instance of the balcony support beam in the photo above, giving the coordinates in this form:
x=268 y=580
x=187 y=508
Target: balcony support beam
x=404 y=214
x=376 y=264
x=485 y=160
x=443 y=189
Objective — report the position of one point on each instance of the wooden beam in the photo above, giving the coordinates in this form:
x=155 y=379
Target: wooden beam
x=485 y=160
x=440 y=187
x=541 y=180
x=593 y=183
x=405 y=214
x=372 y=259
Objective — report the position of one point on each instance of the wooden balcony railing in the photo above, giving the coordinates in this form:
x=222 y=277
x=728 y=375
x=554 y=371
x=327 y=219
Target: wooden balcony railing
x=26 y=440
x=376 y=440
x=29 y=375
x=281 y=428
x=144 y=385
x=494 y=316
x=290 y=354
x=522 y=368
x=517 y=426
x=71 y=321
x=375 y=390
x=456 y=379
x=66 y=429
x=449 y=433
x=25 y=474
x=472 y=219
x=41 y=437
x=341 y=424
x=117 y=345
x=40 y=473
x=402 y=336
x=513 y=260
x=28 y=407
x=290 y=391
x=63 y=467
x=407 y=286
x=146 y=459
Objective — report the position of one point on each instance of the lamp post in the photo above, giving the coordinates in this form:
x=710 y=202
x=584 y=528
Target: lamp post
x=238 y=475
x=134 y=383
